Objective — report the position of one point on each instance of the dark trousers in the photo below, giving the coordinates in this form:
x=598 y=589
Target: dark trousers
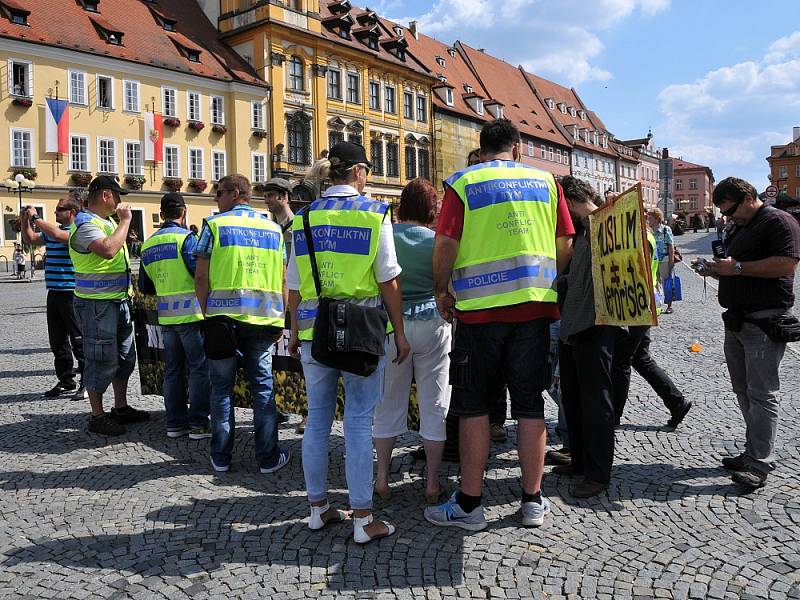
x=64 y=334
x=586 y=394
x=633 y=350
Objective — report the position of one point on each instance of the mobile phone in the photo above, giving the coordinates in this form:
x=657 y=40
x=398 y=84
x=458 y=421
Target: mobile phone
x=718 y=249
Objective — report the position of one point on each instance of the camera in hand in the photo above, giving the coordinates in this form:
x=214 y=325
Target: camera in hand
x=701 y=266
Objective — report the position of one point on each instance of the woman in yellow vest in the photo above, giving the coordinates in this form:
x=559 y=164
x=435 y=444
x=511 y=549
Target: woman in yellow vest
x=355 y=253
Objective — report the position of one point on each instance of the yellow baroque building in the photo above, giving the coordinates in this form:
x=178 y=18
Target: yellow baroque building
x=337 y=72
x=114 y=61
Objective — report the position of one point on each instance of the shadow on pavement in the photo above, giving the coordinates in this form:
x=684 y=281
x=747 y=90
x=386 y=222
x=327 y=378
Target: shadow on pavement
x=24 y=351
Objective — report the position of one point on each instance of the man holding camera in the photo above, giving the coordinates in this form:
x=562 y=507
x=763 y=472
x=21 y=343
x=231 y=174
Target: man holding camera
x=756 y=279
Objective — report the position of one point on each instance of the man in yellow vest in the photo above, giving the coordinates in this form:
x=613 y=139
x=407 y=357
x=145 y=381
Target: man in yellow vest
x=504 y=233
x=167 y=271
x=239 y=284
x=102 y=303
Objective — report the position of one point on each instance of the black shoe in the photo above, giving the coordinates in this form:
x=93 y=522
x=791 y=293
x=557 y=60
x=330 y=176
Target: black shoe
x=105 y=425
x=557 y=457
x=735 y=463
x=567 y=469
x=282 y=418
x=678 y=415
x=588 y=488
x=128 y=414
x=60 y=388
x=750 y=478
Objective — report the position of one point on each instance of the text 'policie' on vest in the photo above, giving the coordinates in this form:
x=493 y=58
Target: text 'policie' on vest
x=246 y=269
x=98 y=278
x=507 y=253
x=162 y=257
x=346 y=232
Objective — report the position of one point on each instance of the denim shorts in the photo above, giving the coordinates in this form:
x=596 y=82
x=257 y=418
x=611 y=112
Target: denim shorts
x=487 y=356
x=107 y=341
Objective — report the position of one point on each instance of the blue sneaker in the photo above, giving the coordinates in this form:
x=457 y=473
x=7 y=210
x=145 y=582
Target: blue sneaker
x=283 y=460
x=533 y=513
x=450 y=514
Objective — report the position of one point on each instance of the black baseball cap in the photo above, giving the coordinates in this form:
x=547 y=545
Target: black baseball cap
x=277 y=184
x=348 y=154
x=106 y=182
x=172 y=200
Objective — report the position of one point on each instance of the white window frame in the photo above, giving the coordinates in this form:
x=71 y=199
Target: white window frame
x=71 y=91
x=29 y=73
x=164 y=90
x=215 y=176
x=531 y=148
x=390 y=93
x=100 y=169
x=110 y=79
x=448 y=96
x=137 y=108
x=479 y=105
x=85 y=138
x=377 y=106
x=258 y=121
x=139 y=170
x=197 y=114
x=253 y=157
x=192 y=174
x=424 y=112
x=221 y=115
x=347 y=87
x=177 y=149
x=32 y=146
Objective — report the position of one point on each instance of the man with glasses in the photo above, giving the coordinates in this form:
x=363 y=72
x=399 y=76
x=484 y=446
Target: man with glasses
x=239 y=284
x=59 y=275
x=756 y=284
x=102 y=304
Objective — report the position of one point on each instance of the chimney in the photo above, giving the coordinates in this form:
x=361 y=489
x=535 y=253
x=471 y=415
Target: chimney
x=482 y=50
x=665 y=153
x=412 y=27
x=795 y=133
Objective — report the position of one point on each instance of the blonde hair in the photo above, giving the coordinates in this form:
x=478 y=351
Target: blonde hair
x=656 y=212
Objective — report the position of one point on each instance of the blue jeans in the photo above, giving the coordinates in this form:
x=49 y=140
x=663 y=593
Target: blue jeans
x=183 y=347
x=362 y=395
x=107 y=341
x=255 y=344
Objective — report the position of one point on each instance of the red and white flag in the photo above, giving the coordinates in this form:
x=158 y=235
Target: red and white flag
x=153 y=137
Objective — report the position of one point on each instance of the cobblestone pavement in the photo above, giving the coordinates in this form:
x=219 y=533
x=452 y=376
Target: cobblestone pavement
x=142 y=516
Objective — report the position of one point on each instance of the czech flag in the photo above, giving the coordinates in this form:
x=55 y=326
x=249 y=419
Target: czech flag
x=56 y=126
x=153 y=137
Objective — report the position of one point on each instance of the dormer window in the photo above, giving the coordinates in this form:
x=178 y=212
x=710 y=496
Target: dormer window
x=583 y=115
x=575 y=132
x=344 y=32
x=401 y=54
x=440 y=61
x=91 y=5
x=448 y=96
x=192 y=54
x=563 y=108
x=442 y=78
x=596 y=138
x=372 y=42
x=479 y=106
x=107 y=31
x=398 y=30
x=550 y=103
x=572 y=111
x=451 y=52
x=467 y=88
x=14 y=12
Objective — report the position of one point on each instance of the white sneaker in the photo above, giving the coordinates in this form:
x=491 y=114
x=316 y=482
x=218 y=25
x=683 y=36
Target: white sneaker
x=283 y=460
x=360 y=536
x=219 y=468
x=533 y=513
x=176 y=433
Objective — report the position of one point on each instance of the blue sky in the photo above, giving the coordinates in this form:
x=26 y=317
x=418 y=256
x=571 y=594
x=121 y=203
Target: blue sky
x=718 y=82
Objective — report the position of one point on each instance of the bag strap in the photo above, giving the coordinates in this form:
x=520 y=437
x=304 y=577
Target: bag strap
x=311 y=254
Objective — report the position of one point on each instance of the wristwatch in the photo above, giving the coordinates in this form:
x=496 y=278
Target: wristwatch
x=737 y=268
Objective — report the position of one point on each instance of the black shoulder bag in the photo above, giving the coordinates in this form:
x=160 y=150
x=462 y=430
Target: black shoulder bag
x=347 y=336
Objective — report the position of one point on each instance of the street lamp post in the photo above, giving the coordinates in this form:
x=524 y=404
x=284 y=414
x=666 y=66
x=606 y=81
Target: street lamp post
x=20 y=185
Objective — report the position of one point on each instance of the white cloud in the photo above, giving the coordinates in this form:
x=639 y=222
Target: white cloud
x=728 y=118
x=555 y=39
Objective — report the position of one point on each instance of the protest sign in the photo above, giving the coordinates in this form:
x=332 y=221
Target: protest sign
x=623 y=285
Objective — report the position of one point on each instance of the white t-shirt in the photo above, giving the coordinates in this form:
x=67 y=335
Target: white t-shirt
x=385 y=266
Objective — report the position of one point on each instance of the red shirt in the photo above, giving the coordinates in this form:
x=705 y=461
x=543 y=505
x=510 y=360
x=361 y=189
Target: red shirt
x=451 y=224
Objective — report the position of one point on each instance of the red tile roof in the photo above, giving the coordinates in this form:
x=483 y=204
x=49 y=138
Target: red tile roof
x=387 y=35
x=679 y=163
x=506 y=83
x=144 y=41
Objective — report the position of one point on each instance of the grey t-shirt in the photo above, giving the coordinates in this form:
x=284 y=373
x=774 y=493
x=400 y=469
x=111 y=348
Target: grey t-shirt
x=89 y=233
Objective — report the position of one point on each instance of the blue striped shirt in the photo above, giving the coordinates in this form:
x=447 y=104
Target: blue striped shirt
x=59 y=274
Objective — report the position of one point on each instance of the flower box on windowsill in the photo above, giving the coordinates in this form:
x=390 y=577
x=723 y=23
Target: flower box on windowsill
x=259 y=133
x=196 y=125
x=198 y=184
x=172 y=121
x=81 y=179
x=23 y=102
x=135 y=182
x=27 y=172
x=258 y=187
x=173 y=184
x=220 y=129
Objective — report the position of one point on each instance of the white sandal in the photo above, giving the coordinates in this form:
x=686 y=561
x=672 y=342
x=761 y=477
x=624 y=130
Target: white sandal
x=360 y=536
x=316 y=521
